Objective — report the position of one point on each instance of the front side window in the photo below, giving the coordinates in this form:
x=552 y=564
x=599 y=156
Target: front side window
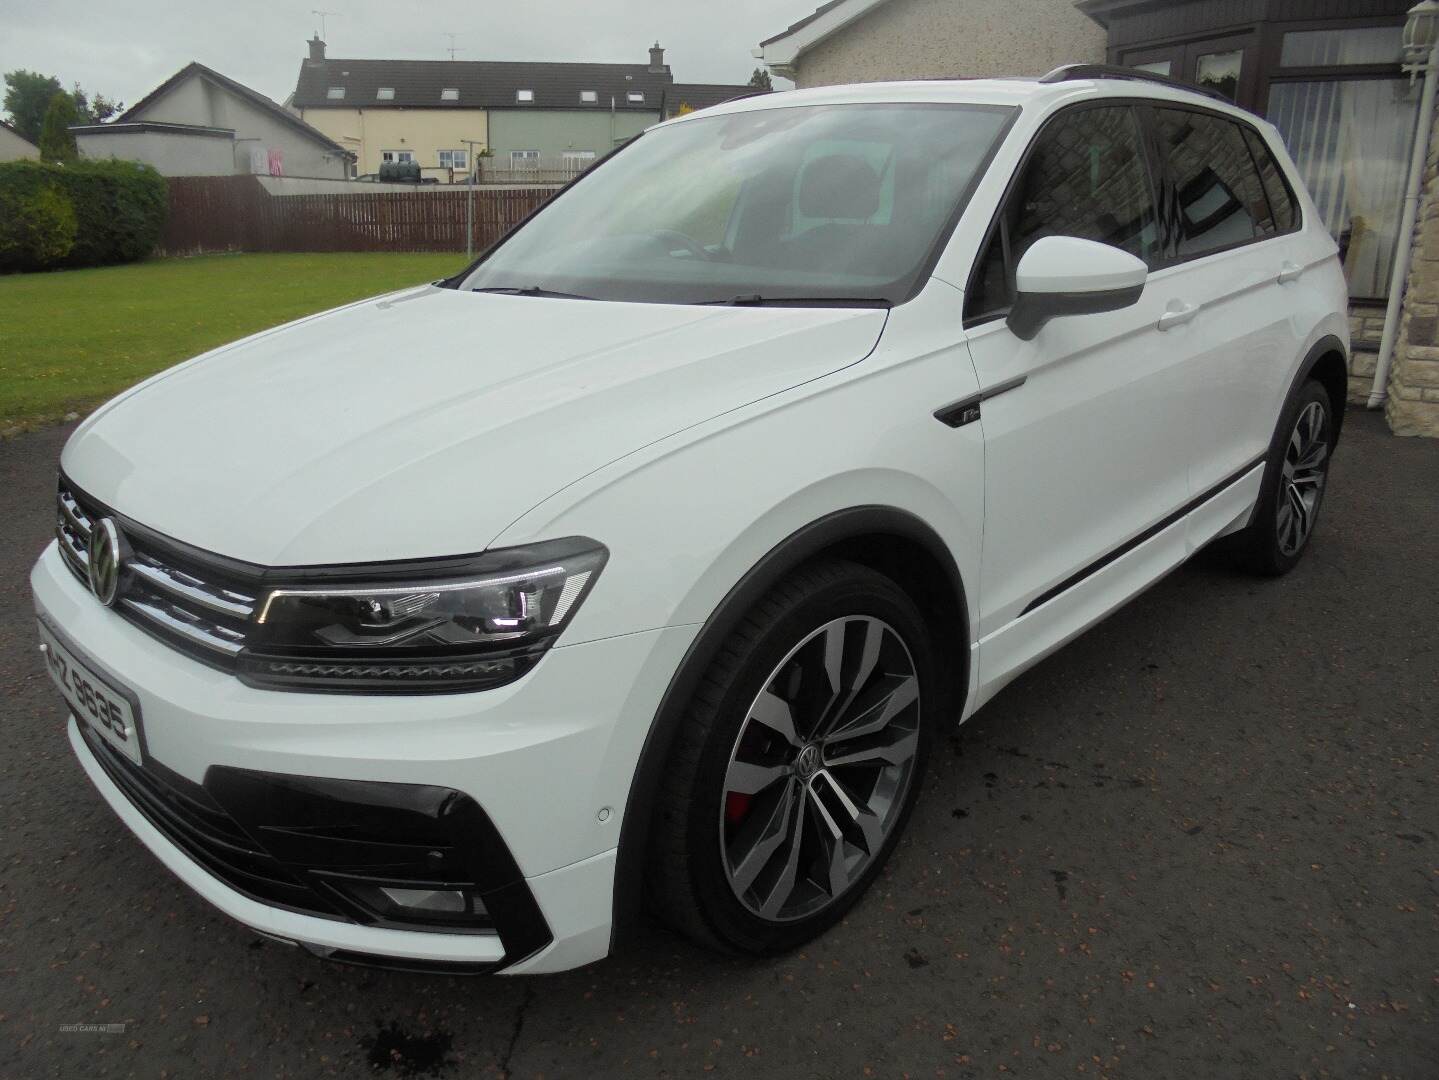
x=1085 y=176
x=524 y=159
x=397 y=155
x=452 y=159
x=836 y=203
x=1220 y=201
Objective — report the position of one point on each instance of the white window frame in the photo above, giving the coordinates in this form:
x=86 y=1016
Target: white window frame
x=335 y=93
x=524 y=97
x=462 y=163
x=385 y=93
x=577 y=155
x=450 y=93
x=635 y=97
x=520 y=159
x=589 y=97
x=397 y=155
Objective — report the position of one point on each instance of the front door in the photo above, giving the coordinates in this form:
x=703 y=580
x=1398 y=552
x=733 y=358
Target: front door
x=1085 y=450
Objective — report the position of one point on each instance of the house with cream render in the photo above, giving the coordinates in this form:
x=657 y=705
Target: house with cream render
x=526 y=117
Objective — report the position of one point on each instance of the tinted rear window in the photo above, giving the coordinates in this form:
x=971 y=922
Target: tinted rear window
x=1220 y=199
x=1281 y=202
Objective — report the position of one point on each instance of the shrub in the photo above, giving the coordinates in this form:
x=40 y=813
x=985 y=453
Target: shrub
x=120 y=207
x=37 y=220
x=115 y=211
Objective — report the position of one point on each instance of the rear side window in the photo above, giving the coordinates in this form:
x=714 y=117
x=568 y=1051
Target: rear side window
x=1085 y=176
x=1220 y=199
x=1281 y=202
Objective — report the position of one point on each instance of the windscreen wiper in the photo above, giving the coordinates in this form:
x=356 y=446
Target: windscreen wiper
x=759 y=300
x=534 y=290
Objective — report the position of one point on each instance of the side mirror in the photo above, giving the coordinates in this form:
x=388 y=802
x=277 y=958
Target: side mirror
x=1064 y=275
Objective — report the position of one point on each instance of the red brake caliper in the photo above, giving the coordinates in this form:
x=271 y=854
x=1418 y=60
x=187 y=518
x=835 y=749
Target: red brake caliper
x=736 y=806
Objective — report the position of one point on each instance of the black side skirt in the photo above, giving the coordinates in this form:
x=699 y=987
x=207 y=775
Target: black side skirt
x=1153 y=530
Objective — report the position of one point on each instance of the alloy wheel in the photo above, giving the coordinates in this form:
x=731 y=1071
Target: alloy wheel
x=821 y=768
x=1301 y=482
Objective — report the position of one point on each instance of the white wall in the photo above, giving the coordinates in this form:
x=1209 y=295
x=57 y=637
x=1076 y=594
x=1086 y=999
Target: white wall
x=172 y=153
x=13 y=147
x=196 y=100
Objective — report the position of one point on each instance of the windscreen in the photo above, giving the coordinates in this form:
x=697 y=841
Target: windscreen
x=819 y=203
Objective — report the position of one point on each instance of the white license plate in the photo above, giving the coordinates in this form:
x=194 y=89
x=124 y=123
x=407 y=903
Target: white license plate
x=93 y=700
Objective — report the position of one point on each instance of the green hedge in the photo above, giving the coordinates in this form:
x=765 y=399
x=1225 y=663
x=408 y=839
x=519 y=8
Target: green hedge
x=86 y=213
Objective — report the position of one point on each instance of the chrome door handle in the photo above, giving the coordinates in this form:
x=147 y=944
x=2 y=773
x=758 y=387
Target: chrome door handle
x=1178 y=316
x=1289 y=272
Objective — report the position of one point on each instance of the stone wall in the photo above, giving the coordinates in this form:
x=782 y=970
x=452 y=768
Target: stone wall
x=950 y=39
x=1366 y=327
x=1413 y=404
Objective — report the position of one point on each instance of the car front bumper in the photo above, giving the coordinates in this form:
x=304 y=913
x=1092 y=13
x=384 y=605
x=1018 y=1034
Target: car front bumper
x=549 y=759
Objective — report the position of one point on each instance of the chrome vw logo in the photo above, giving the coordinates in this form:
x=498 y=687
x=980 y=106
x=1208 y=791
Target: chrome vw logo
x=807 y=764
x=104 y=566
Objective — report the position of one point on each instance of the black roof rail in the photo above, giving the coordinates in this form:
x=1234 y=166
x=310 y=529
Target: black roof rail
x=1071 y=72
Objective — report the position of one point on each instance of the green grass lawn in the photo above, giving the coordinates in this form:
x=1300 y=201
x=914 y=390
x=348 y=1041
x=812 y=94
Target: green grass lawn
x=72 y=339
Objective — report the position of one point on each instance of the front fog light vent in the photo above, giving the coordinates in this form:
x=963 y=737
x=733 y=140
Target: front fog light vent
x=448 y=900
x=410 y=903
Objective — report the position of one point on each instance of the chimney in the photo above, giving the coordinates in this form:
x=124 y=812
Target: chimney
x=657 y=59
x=317 y=49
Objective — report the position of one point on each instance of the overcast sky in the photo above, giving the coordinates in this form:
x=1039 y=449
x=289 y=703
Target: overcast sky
x=126 y=50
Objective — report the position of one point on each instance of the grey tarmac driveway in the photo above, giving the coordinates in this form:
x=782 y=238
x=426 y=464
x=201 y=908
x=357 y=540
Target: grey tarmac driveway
x=1202 y=841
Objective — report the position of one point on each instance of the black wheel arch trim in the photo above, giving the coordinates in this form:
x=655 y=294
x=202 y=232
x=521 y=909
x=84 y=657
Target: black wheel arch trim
x=1327 y=344
x=798 y=548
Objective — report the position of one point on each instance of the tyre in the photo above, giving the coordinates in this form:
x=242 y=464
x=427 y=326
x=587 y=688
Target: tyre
x=1295 y=476
x=798 y=763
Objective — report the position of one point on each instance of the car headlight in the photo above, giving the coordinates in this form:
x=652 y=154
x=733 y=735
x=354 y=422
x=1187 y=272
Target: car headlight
x=443 y=625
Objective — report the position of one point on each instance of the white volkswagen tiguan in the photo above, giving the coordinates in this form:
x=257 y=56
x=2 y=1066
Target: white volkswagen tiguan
x=639 y=564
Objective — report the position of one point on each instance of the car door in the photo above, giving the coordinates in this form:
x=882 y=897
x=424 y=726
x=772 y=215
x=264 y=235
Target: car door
x=1229 y=273
x=1084 y=450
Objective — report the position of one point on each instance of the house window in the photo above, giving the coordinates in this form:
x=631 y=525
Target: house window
x=453 y=159
x=450 y=94
x=524 y=97
x=385 y=93
x=1337 y=48
x=335 y=93
x=1220 y=71
x=397 y=155
x=1351 y=139
x=577 y=161
x=635 y=97
x=589 y=97
x=524 y=159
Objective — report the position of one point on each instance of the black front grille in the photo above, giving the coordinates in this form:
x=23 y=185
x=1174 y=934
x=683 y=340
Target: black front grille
x=190 y=819
x=198 y=603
